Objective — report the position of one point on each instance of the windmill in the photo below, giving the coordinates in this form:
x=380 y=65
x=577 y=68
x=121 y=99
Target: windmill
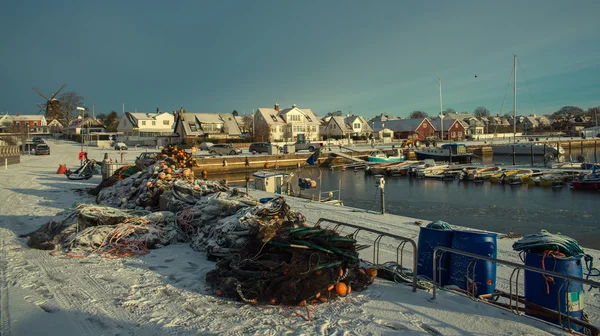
x=52 y=105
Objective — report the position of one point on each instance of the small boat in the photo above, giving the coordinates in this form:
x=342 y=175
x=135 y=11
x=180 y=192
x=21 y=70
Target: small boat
x=554 y=180
x=500 y=177
x=482 y=173
x=519 y=177
x=448 y=152
x=381 y=157
x=590 y=181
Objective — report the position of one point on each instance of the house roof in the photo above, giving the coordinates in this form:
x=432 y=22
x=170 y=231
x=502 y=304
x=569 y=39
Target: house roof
x=207 y=118
x=24 y=117
x=231 y=125
x=363 y=121
x=399 y=125
x=274 y=117
x=448 y=122
x=77 y=122
x=341 y=124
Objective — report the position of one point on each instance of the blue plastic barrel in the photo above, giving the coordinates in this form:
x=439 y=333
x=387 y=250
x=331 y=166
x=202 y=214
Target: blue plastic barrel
x=265 y=200
x=570 y=295
x=429 y=239
x=468 y=274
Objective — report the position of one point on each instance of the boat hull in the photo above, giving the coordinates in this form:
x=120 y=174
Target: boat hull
x=525 y=149
x=460 y=158
x=384 y=160
x=586 y=185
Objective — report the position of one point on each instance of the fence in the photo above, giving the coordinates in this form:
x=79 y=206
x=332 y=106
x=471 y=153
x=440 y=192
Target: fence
x=517 y=268
x=376 y=243
x=10 y=155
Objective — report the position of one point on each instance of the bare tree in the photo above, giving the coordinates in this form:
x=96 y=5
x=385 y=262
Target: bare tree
x=418 y=115
x=262 y=132
x=69 y=101
x=111 y=121
x=247 y=124
x=481 y=111
x=449 y=110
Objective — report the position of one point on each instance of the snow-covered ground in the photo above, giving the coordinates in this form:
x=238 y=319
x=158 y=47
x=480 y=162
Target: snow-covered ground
x=164 y=292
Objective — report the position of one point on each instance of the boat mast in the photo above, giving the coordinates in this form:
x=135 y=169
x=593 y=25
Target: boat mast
x=515 y=99
x=441 y=115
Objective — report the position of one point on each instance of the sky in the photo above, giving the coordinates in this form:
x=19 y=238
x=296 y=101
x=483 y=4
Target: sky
x=360 y=57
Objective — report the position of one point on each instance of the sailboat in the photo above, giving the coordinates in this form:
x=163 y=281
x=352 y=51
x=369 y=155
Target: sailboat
x=524 y=148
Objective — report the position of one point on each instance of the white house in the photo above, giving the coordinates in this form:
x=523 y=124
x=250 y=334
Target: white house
x=288 y=124
x=340 y=127
x=191 y=126
x=144 y=128
x=6 y=122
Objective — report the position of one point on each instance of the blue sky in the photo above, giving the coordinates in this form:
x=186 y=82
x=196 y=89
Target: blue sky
x=367 y=57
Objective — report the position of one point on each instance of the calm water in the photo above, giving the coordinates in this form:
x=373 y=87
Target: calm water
x=501 y=208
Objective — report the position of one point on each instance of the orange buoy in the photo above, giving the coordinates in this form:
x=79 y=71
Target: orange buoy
x=62 y=169
x=341 y=288
x=372 y=272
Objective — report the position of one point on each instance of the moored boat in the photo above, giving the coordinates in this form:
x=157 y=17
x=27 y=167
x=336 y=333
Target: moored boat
x=448 y=152
x=382 y=157
x=590 y=181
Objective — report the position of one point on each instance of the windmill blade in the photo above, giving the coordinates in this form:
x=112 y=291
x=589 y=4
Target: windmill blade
x=38 y=92
x=42 y=107
x=57 y=92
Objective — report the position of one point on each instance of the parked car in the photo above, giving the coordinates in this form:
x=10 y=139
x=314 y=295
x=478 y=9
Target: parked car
x=147 y=158
x=42 y=149
x=224 y=149
x=206 y=145
x=259 y=147
x=120 y=146
x=37 y=140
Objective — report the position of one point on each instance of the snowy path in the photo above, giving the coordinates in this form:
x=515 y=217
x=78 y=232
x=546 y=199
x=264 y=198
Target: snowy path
x=164 y=292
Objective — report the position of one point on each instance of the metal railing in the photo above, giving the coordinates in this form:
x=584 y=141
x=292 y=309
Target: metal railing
x=517 y=269
x=377 y=241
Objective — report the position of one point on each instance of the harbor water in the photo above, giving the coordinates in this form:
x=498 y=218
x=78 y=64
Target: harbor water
x=500 y=208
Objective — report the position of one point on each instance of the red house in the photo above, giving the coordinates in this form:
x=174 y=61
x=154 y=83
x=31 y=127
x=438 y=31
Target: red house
x=417 y=129
x=454 y=129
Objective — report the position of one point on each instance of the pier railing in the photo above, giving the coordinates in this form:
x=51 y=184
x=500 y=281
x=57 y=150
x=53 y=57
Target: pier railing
x=376 y=243
x=515 y=298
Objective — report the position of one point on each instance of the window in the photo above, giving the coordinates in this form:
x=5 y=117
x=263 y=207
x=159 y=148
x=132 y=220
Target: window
x=274 y=117
x=165 y=122
x=460 y=134
x=280 y=129
x=308 y=118
x=193 y=127
x=294 y=117
x=35 y=123
x=153 y=122
x=314 y=128
x=425 y=125
x=453 y=134
x=143 y=123
x=357 y=126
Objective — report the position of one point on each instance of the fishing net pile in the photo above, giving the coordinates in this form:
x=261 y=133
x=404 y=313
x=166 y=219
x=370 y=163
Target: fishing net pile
x=104 y=230
x=143 y=190
x=282 y=261
x=266 y=252
x=180 y=156
x=546 y=241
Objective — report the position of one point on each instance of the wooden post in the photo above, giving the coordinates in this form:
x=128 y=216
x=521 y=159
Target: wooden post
x=595 y=158
x=532 y=154
x=581 y=151
x=513 y=148
x=545 y=146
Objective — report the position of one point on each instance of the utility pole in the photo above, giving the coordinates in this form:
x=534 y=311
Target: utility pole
x=515 y=99
x=441 y=114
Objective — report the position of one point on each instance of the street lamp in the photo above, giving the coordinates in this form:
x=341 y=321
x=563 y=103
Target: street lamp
x=82 y=109
x=442 y=126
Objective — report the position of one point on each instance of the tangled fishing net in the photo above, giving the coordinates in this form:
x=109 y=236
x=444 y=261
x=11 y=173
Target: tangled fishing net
x=266 y=253
x=99 y=229
x=282 y=261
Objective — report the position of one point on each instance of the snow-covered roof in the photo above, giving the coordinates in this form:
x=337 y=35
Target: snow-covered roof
x=399 y=125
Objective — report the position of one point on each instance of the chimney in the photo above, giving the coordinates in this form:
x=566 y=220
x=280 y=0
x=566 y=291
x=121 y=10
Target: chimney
x=18 y=114
x=276 y=107
x=347 y=115
x=294 y=106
